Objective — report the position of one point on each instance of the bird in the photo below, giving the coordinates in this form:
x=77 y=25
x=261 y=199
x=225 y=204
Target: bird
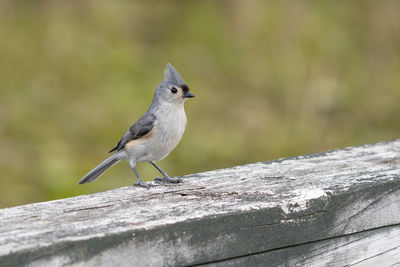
x=155 y=134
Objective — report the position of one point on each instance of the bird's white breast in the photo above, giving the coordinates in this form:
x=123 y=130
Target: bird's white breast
x=168 y=130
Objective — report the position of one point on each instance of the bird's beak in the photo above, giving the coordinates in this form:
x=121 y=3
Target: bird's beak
x=189 y=95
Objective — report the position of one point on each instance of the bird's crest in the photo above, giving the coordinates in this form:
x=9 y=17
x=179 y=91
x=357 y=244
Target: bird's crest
x=172 y=76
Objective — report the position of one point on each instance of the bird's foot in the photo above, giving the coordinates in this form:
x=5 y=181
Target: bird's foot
x=142 y=184
x=167 y=179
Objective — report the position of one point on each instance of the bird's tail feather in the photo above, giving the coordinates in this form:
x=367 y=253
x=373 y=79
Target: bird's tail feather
x=100 y=169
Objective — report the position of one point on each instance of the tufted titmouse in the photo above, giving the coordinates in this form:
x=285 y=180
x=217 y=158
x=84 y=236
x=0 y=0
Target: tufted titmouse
x=156 y=133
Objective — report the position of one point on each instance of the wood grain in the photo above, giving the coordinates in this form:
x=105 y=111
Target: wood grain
x=294 y=208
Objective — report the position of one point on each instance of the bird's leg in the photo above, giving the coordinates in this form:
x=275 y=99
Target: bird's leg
x=166 y=178
x=141 y=182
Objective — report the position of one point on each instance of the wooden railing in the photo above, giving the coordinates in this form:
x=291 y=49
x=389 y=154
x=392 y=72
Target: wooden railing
x=334 y=208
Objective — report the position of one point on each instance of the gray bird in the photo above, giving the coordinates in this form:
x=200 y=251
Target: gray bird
x=155 y=134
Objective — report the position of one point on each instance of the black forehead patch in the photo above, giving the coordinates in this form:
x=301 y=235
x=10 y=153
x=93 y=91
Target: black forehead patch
x=185 y=88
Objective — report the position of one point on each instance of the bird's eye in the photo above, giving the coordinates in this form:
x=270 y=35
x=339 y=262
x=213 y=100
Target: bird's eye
x=174 y=90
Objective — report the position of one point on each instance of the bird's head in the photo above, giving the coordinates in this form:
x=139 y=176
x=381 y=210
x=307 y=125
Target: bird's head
x=173 y=88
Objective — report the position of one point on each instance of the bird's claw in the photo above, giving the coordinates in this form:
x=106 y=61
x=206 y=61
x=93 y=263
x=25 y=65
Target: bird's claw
x=142 y=184
x=167 y=179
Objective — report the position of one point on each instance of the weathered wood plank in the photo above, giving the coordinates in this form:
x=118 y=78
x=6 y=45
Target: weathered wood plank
x=213 y=216
x=377 y=247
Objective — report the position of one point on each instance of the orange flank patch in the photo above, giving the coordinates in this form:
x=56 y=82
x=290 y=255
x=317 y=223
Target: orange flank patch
x=138 y=141
x=148 y=135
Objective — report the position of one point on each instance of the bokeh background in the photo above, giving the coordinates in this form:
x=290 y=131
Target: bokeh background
x=272 y=79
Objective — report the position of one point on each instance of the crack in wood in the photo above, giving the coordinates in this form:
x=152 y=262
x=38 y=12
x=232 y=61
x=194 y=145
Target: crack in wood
x=294 y=245
x=374 y=256
x=366 y=208
x=88 y=208
x=395 y=264
x=292 y=219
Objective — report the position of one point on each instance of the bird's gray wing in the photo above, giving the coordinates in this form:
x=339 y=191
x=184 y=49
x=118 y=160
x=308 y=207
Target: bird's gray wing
x=142 y=127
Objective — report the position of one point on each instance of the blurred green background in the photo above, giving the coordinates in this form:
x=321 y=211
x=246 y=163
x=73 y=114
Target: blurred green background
x=272 y=79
